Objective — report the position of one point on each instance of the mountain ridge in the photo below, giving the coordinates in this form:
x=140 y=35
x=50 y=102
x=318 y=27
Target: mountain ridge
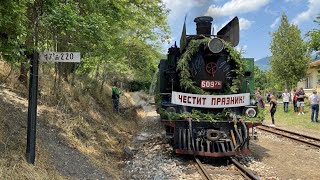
x=263 y=63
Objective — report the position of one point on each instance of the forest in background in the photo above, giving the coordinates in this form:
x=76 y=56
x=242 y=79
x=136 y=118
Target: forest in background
x=117 y=39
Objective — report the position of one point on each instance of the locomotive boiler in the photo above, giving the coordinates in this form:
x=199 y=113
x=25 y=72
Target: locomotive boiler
x=205 y=92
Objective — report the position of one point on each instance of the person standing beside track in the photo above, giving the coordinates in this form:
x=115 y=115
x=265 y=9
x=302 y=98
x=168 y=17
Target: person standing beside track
x=268 y=96
x=285 y=98
x=294 y=100
x=260 y=99
x=115 y=97
x=300 y=101
x=273 y=108
x=314 y=102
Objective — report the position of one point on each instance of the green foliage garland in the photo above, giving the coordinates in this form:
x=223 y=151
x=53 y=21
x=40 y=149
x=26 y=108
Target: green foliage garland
x=193 y=47
x=195 y=115
x=198 y=115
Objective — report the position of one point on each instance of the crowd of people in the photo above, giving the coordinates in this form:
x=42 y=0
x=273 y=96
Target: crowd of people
x=296 y=97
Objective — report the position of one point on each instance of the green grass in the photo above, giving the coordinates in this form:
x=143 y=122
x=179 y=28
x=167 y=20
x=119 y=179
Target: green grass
x=292 y=119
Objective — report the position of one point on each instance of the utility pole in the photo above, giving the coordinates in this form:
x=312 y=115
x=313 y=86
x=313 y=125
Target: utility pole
x=32 y=108
x=33 y=85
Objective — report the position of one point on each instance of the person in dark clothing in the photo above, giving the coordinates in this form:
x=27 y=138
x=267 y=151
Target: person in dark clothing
x=300 y=101
x=115 y=97
x=268 y=96
x=273 y=108
x=260 y=100
x=294 y=100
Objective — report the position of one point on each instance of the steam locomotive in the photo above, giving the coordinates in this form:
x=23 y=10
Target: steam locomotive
x=204 y=77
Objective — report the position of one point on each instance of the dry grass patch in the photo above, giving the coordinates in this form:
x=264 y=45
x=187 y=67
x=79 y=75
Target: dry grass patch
x=81 y=114
x=13 y=145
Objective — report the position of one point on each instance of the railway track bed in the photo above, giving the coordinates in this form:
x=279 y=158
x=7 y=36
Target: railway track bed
x=233 y=171
x=271 y=159
x=309 y=140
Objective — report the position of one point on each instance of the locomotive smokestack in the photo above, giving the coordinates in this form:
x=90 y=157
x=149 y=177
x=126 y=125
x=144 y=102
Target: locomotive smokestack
x=203 y=25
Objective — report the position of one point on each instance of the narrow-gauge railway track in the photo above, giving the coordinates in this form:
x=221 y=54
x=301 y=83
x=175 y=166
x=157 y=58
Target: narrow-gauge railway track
x=204 y=173
x=247 y=174
x=313 y=141
x=244 y=171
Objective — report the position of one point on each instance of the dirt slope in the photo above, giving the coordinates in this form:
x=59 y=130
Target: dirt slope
x=83 y=144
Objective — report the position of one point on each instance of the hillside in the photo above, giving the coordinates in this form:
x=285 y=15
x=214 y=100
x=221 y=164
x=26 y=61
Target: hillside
x=263 y=63
x=78 y=135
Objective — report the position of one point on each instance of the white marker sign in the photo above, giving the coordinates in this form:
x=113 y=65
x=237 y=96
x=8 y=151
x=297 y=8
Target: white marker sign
x=60 y=56
x=210 y=101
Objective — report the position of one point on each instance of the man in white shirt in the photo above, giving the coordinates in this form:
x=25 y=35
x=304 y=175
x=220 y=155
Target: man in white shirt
x=314 y=102
x=285 y=98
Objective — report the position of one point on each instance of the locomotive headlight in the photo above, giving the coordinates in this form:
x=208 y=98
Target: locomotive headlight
x=216 y=45
x=251 y=112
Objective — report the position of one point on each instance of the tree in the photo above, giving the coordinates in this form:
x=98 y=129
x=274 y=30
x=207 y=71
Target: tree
x=12 y=28
x=314 y=35
x=116 y=38
x=260 y=78
x=290 y=59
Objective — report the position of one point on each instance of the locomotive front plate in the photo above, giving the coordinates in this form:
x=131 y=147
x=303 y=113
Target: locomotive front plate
x=211 y=84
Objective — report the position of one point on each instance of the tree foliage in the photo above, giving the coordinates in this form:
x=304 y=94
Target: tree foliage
x=314 y=35
x=290 y=59
x=260 y=78
x=116 y=38
x=12 y=28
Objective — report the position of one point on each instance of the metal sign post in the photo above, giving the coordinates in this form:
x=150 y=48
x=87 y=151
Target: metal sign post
x=32 y=109
x=33 y=93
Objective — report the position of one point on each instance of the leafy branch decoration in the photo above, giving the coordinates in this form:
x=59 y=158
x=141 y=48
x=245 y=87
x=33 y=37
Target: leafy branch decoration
x=193 y=47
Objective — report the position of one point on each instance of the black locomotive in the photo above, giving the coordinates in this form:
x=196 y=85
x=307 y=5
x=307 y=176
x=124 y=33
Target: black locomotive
x=205 y=76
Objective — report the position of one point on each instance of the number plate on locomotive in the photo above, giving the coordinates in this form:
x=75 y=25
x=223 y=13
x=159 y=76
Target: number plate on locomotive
x=210 y=84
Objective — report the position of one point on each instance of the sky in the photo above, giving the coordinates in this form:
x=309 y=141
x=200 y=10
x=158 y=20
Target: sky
x=257 y=19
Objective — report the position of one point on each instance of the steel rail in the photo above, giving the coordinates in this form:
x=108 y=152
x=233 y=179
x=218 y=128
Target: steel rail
x=202 y=170
x=290 y=137
x=295 y=133
x=247 y=173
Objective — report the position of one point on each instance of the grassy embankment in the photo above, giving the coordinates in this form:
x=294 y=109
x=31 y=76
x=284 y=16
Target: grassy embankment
x=80 y=113
x=291 y=119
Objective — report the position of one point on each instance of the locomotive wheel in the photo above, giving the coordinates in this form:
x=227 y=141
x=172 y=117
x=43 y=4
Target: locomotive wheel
x=251 y=112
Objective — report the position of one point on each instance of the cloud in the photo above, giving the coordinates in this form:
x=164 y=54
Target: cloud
x=181 y=4
x=236 y=7
x=268 y=10
x=310 y=14
x=179 y=8
x=293 y=1
x=244 y=23
x=275 y=22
